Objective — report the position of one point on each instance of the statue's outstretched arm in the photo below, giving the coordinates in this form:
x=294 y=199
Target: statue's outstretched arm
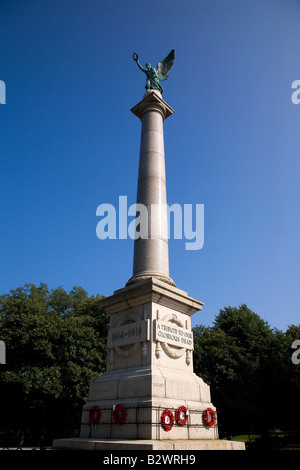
x=140 y=67
x=136 y=59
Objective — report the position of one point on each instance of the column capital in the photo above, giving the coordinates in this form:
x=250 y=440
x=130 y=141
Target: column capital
x=152 y=100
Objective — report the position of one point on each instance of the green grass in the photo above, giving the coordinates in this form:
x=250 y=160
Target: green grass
x=271 y=441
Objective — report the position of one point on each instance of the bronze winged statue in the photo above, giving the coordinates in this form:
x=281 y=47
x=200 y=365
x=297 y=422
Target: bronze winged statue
x=154 y=76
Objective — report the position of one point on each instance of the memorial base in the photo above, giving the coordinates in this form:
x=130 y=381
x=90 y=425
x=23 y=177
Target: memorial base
x=149 y=372
x=146 y=445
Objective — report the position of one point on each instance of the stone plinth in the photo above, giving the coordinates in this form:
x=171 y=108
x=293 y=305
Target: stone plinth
x=149 y=366
x=149 y=369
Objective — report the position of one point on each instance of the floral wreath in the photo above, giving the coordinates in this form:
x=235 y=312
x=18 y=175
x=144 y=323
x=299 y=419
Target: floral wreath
x=119 y=414
x=167 y=420
x=209 y=417
x=181 y=415
x=95 y=413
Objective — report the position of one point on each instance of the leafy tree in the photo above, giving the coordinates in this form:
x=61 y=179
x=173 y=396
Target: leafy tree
x=248 y=365
x=56 y=346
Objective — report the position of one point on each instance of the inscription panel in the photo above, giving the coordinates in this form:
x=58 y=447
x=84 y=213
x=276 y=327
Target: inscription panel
x=173 y=335
x=127 y=334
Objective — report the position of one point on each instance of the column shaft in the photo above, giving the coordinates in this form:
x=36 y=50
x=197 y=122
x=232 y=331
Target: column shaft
x=151 y=254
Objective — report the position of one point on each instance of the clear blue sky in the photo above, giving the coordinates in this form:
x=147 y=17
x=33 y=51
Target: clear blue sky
x=69 y=143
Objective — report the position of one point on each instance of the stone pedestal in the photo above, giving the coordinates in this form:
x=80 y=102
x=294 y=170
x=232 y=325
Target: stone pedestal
x=149 y=366
x=149 y=369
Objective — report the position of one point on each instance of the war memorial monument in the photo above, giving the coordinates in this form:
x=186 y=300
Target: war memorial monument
x=149 y=398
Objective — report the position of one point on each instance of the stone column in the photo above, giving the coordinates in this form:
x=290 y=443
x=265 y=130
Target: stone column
x=151 y=254
x=150 y=340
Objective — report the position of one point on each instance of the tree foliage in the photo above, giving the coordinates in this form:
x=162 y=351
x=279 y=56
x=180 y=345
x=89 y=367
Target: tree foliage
x=248 y=365
x=56 y=346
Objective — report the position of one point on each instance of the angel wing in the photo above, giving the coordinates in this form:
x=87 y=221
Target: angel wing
x=164 y=67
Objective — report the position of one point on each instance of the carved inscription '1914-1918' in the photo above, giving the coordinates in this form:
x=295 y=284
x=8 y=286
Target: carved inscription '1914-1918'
x=127 y=334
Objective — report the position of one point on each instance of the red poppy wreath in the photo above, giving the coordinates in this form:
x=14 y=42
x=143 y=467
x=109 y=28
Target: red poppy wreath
x=95 y=413
x=209 y=417
x=119 y=414
x=167 y=420
x=181 y=415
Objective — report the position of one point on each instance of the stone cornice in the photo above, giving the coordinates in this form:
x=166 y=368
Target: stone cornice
x=151 y=290
x=152 y=101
